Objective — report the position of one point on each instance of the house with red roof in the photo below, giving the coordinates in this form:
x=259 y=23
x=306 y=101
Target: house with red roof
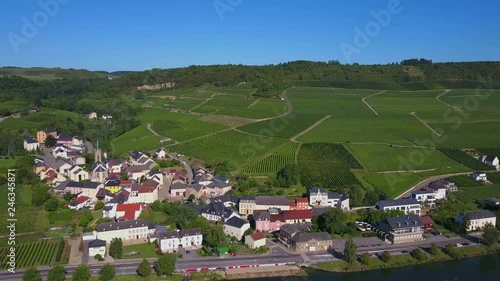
x=128 y=212
x=145 y=192
x=255 y=240
x=80 y=202
x=297 y=216
x=264 y=221
x=299 y=204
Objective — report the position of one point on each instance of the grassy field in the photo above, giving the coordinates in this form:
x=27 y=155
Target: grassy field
x=16 y=104
x=477 y=193
x=392 y=184
x=274 y=162
x=243 y=107
x=139 y=138
x=145 y=251
x=377 y=157
x=7 y=163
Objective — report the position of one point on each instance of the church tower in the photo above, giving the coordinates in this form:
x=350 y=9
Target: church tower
x=98 y=154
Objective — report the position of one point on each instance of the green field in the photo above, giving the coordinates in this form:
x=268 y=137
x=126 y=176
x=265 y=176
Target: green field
x=243 y=107
x=473 y=194
x=392 y=184
x=31 y=254
x=139 y=138
x=377 y=157
x=274 y=162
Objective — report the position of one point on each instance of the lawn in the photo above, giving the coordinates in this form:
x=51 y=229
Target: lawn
x=377 y=157
x=7 y=163
x=145 y=251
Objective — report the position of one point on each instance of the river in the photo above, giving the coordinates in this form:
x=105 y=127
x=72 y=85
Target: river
x=484 y=268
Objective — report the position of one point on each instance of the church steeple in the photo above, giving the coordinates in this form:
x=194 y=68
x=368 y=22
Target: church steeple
x=98 y=155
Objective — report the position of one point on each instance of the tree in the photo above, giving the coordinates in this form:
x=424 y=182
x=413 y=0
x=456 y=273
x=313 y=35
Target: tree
x=491 y=235
x=434 y=250
x=50 y=141
x=419 y=254
x=215 y=236
x=165 y=265
x=85 y=219
x=116 y=248
x=451 y=251
x=32 y=274
x=350 y=251
x=191 y=198
x=40 y=194
x=144 y=269
x=51 y=205
x=98 y=257
x=334 y=221
x=386 y=257
x=57 y=273
x=68 y=196
x=98 y=205
x=81 y=273
x=288 y=176
x=107 y=272
x=365 y=259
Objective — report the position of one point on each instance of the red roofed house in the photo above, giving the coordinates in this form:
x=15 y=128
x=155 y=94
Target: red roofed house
x=255 y=240
x=297 y=216
x=146 y=192
x=128 y=212
x=264 y=221
x=80 y=202
x=427 y=222
x=300 y=204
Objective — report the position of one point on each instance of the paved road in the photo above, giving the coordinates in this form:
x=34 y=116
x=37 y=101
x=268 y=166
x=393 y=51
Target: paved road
x=187 y=167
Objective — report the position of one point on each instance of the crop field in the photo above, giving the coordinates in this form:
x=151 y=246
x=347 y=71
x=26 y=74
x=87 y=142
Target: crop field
x=283 y=127
x=462 y=157
x=185 y=103
x=271 y=164
x=243 y=107
x=14 y=105
x=181 y=131
x=327 y=165
x=490 y=151
x=377 y=157
x=392 y=184
x=472 y=194
x=487 y=99
x=139 y=138
x=240 y=149
x=31 y=254
x=464 y=181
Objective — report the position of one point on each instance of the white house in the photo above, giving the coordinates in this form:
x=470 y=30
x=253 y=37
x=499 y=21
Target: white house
x=491 y=160
x=97 y=247
x=188 y=239
x=425 y=197
x=114 y=165
x=77 y=141
x=255 y=240
x=160 y=153
x=216 y=211
x=128 y=211
x=80 y=202
x=236 y=227
x=88 y=189
x=60 y=151
x=320 y=197
x=126 y=230
x=77 y=173
x=408 y=206
x=478 y=176
x=63 y=166
x=31 y=144
x=146 y=192
x=477 y=219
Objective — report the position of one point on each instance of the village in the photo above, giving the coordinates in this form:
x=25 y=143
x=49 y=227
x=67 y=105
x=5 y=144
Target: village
x=125 y=188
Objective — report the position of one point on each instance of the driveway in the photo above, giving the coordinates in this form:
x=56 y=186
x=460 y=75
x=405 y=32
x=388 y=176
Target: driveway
x=75 y=256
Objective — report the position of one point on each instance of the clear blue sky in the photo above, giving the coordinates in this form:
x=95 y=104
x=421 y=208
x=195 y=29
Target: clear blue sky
x=135 y=35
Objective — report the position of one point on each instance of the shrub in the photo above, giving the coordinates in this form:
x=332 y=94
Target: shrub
x=98 y=257
x=386 y=257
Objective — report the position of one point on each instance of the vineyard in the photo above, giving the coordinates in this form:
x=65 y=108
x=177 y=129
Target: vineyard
x=490 y=151
x=462 y=157
x=31 y=254
x=327 y=165
x=464 y=181
x=271 y=164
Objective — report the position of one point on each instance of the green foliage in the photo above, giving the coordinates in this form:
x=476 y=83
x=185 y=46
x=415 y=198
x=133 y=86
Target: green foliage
x=350 y=251
x=288 y=176
x=451 y=251
x=168 y=163
x=491 y=235
x=98 y=205
x=215 y=237
x=51 y=205
x=116 y=248
x=386 y=257
x=39 y=194
x=32 y=274
x=50 y=141
x=68 y=196
x=365 y=259
x=85 y=219
x=376 y=216
x=165 y=265
x=98 y=257
x=419 y=255
x=191 y=198
x=434 y=250
x=462 y=157
x=57 y=273
x=81 y=273
x=37 y=253
x=464 y=181
x=144 y=269
x=334 y=221
x=107 y=272
x=60 y=250
x=278 y=159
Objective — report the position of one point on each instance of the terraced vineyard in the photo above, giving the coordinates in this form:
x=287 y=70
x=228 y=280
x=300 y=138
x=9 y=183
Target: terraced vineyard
x=327 y=165
x=271 y=164
x=462 y=157
x=30 y=254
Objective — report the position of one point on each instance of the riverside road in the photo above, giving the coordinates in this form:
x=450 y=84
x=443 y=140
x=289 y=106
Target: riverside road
x=130 y=266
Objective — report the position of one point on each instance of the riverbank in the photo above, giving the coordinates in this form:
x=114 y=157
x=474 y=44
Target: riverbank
x=407 y=259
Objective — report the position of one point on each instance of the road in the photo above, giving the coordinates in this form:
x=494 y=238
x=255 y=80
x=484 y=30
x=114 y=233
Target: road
x=130 y=266
x=187 y=167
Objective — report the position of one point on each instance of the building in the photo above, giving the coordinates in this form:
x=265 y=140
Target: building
x=264 y=221
x=255 y=240
x=31 y=144
x=227 y=199
x=409 y=206
x=126 y=230
x=172 y=241
x=402 y=229
x=146 y=192
x=160 y=153
x=300 y=204
x=287 y=231
x=128 y=212
x=428 y=222
x=271 y=202
x=88 y=189
x=477 y=219
x=304 y=242
x=426 y=197
x=236 y=227
x=216 y=211
x=297 y=216
x=492 y=202
x=97 y=247
x=65 y=139
x=178 y=189
x=246 y=205
x=113 y=185
x=442 y=187
x=92 y=115
x=478 y=176
x=491 y=160
x=41 y=136
x=320 y=197
x=80 y=203
x=77 y=173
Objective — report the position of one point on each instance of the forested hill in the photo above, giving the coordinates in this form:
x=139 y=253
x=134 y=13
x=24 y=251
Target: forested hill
x=277 y=77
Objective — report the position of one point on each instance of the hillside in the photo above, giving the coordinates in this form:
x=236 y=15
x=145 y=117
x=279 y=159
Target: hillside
x=42 y=73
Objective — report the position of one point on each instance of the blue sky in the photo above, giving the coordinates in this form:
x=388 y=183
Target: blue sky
x=135 y=35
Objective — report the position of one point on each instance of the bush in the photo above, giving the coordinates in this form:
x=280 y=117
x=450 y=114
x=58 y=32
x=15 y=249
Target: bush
x=60 y=250
x=365 y=259
x=386 y=257
x=419 y=254
x=451 y=251
x=99 y=205
x=98 y=257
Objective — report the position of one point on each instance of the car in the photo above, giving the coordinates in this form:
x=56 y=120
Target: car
x=458 y=245
x=465 y=244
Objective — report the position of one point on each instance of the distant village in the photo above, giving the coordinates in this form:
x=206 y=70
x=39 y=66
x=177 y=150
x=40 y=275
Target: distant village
x=126 y=187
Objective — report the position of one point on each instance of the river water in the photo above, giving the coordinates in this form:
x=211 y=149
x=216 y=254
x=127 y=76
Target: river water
x=484 y=268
